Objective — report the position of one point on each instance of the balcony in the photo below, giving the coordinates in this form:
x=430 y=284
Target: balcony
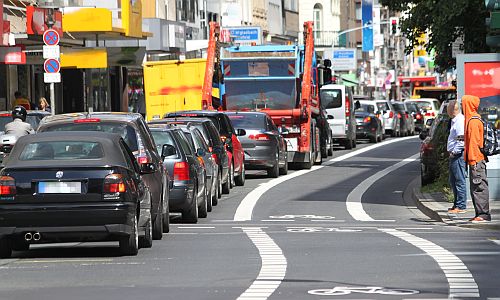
x=323 y=38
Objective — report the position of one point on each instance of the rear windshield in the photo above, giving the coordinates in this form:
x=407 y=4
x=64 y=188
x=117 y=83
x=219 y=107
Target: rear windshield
x=331 y=98
x=399 y=106
x=367 y=108
x=248 y=121
x=127 y=132
x=33 y=120
x=383 y=106
x=62 y=150
x=422 y=105
x=161 y=138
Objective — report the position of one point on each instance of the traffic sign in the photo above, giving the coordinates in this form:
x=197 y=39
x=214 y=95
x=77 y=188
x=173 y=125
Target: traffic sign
x=51 y=37
x=51 y=52
x=51 y=65
x=52 y=77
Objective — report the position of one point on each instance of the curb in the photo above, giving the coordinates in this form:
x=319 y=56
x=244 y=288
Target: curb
x=432 y=208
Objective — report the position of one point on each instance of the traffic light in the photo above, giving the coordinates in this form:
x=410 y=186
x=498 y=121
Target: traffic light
x=394 y=23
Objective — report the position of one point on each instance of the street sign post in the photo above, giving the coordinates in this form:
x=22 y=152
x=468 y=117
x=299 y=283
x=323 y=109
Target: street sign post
x=342 y=59
x=51 y=52
x=52 y=68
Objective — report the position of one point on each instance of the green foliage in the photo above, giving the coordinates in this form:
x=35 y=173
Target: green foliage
x=443 y=21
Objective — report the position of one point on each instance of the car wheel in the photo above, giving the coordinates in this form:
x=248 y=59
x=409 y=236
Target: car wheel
x=130 y=245
x=209 y=196
x=324 y=151
x=218 y=187
x=226 y=187
x=373 y=139
x=203 y=208
x=191 y=214
x=166 y=220
x=330 y=149
x=348 y=144
x=146 y=241
x=5 y=248
x=158 y=224
x=240 y=180
x=274 y=171
x=284 y=170
x=231 y=177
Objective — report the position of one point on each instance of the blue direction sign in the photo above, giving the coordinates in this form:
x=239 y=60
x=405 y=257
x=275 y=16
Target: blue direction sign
x=245 y=35
x=51 y=37
x=51 y=66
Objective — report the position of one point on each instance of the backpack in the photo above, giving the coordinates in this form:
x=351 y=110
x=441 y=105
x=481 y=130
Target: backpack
x=491 y=145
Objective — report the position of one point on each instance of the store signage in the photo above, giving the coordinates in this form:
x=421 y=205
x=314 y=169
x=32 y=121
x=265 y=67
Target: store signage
x=35 y=20
x=12 y=55
x=242 y=35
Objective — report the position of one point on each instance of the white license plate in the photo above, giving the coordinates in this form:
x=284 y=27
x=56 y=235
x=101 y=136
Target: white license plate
x=292 y=144
x=59 y=187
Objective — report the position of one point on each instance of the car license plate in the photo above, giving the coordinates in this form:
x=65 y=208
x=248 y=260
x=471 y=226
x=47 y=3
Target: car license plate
x=292 y=144
x=60 y=187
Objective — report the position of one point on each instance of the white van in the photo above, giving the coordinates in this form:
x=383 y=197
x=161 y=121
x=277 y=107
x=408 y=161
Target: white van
x=338 y=102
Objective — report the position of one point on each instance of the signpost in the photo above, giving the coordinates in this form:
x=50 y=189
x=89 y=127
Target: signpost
x=343 y=59
x=242 y=35
x=52 y=66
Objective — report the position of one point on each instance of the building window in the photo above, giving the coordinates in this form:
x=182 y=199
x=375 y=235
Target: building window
x=292 y=5
x=317 y=18
x=358 y=11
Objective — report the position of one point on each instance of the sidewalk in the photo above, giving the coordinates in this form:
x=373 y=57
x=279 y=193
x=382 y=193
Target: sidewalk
x=436 y=207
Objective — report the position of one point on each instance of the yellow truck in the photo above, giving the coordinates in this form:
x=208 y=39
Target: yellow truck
x=171 y=86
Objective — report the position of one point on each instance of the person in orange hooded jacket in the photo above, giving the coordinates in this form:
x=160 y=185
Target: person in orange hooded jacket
x=475 y=159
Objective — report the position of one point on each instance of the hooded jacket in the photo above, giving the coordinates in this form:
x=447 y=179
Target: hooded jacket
x=473 y=130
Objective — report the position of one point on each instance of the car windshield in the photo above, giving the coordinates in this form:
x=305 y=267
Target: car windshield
x=331 y=98
x=161 y=138
x=366 y=108
x=422 y=105
x=248 y=121
x=260 y=94
x=125 y=131
x=33 y=120
x=62 y=150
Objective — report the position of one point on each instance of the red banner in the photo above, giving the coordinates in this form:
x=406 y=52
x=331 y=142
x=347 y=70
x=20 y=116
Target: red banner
x=12 y=55
x=35 y=20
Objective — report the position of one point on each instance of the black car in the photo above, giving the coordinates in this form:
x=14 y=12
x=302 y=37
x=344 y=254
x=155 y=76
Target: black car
x=78 y=186
x=133 y=129
x=368 y=125
x=215 y=144
x=265 y=148
x=229 y=136
x=187 y=195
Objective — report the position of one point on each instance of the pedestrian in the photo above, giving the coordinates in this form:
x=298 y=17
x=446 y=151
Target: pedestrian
x=20 y=101
x=475 y=159
x=43 y=104
x=455 y=147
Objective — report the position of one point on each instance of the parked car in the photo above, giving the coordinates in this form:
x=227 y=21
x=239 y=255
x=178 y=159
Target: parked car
x=70 y=187
x=136 y=134
x=392 y=124
x=418 y=117
x=368 y=124
x=229 y=136
x=215 y=147
x=264 y=146
x=338 y=101
x=202 y=150
x=428 y=106
x=407 y=124
x=433 y=148
x=187 y=195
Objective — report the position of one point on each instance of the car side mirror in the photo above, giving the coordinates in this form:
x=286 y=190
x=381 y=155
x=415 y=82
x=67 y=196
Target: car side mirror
x=357 y=105
x=423 y=135
x=429 y=122
x=241 y=132
x=330 y=117
x=168 y=150
x=147 y=168
x=200 y=152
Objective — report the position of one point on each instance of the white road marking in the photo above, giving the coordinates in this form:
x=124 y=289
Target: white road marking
x=273 y=268
x=278 y=220
x=353 y=202
x=495 y=241
x=460 y=280
x=196 y=227
x=245 y=209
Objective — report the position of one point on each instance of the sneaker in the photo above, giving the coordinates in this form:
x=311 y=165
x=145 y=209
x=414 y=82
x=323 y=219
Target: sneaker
x=452 y=208
x=457 y=211
x=478 y=220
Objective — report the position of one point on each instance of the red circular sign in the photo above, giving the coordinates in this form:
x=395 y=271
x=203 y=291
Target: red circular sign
x=51 y=66
x=51 y=37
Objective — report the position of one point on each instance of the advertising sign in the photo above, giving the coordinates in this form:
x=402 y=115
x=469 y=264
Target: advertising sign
x=35 y=20
x=367 y=19
x=242 y=35
x=12 y=55
x=378 y=37
x=343 y=59
x=132 y=17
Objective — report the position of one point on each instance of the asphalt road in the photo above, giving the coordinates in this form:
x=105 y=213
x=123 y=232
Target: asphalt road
x=345 y=230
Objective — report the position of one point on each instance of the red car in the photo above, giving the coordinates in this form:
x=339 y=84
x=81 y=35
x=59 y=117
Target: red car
x=229 y=136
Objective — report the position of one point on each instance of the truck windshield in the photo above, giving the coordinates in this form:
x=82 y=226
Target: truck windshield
x=260 y=94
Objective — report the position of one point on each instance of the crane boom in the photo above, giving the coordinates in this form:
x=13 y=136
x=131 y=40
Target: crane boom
x=213 y=57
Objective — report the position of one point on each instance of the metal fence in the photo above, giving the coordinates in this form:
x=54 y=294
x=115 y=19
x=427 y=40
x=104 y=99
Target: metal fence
x=323 y=38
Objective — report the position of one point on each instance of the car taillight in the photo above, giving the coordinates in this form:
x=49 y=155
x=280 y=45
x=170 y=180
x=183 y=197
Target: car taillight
x=367 y=120
x=347 y=107
x=90 y=120
x=259 y=137
x=114 y=183
x=427 y=148
x=202 y=162
x=214 y=157
x=391 y=114
x=181 y=171
x=223 y=138
x=406 y=116
x=210 y=149
x=7 y=186
x=419 y=116
x=430 y=114
x=143 y=160
x=399 y=116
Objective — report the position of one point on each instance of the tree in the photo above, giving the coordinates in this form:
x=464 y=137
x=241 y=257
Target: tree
x=443 y=21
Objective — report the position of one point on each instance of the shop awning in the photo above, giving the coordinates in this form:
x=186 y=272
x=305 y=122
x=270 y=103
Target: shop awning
x=349 y=80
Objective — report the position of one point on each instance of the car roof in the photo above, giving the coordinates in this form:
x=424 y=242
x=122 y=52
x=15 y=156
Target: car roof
x=180 y=119
x=106 y=116
x=371 y=102
x=194 y=112
x=421 y=99
x=258 y=113
x=113 y=155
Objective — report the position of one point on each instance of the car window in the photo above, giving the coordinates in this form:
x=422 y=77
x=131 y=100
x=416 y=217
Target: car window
x=146 y=134
x=331 y=98
x=126 y=131
x=422 y=105
x=185 y=145
x=215 y=136
x=271 y=125
x=225 y=120
x=248 y=121
x=128 y=156
x=203 y=130
x=62 y=150
x=33 y=120
x=161 y=138
x=399 y=106
x=199 y=140
x=383 y=106
x=367 y=108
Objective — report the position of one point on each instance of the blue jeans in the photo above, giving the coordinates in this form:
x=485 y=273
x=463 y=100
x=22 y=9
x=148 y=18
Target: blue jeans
x=457 y=181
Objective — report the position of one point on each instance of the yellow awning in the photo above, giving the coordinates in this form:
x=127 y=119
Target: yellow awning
x=87 y=58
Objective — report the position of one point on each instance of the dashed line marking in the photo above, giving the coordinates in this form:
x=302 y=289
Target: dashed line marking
x=273 y=268
x=460 y=280
x=196 y=227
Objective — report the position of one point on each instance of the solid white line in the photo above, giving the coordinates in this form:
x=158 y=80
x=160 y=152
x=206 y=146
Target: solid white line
x=195 y=227
x=451 y=265
x=245 y=209
x=273 y=268
x=353 y=202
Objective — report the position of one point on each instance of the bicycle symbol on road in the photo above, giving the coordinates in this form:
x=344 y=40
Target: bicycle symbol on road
x=319 y=229
x=312 y=217
x=346 y=290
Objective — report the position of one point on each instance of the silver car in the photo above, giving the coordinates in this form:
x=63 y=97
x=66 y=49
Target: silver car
x=392 y=124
